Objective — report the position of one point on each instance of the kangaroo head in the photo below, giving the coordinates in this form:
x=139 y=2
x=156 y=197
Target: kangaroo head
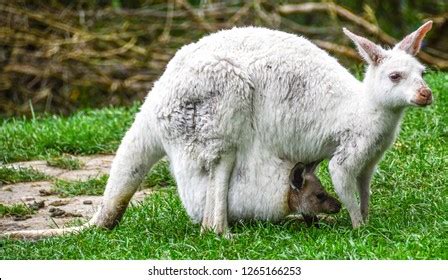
x=307 y=196
x=394 y=77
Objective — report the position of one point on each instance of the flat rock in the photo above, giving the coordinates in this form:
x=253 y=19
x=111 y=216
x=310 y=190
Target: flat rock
x=59 y=202
x=36 y=205
x=87 y=202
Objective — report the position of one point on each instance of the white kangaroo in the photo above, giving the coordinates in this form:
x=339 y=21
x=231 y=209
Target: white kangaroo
x=239 y=93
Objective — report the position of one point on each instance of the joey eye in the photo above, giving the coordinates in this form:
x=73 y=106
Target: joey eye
x=395 y=77
x=320 y=196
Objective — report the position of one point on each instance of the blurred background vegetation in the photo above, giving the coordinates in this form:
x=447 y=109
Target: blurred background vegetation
x=60 y=55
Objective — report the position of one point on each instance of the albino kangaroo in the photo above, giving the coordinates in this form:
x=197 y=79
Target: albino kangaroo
x=239 y=93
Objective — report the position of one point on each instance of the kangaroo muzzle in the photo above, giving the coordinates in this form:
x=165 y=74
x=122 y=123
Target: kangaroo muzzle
x=423 y=97
x=334 y=206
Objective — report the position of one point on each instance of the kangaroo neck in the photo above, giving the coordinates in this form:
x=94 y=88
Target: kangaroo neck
x=373 y=119
x=375 y=108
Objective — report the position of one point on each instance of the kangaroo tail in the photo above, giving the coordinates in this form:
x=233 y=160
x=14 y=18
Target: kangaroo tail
x=139 y=150
x=42 y=233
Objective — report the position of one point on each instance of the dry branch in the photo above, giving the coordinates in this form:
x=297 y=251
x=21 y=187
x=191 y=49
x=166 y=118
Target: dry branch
x=333 y=8
x=358 y=21
x=337 y=49
x=194 y=14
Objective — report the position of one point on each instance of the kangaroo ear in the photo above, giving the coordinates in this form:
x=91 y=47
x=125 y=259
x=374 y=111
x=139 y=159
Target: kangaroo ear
x=297 y=176
x=370 y=52
x=413 y=42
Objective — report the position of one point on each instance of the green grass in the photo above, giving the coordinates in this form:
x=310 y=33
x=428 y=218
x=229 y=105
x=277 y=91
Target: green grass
x=65 y=162
x=159 y=228
x=17 y=210
x=93 y=186
x=159 y=176
x=408 y=219
x=10 y=175
x=86 y=132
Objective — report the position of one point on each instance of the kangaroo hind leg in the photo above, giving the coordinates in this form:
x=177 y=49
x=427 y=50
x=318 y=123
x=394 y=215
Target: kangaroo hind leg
x=215 y=212
x=138 y=151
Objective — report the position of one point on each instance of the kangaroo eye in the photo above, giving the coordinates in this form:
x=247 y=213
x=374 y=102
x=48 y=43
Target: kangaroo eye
x=320 y=196
x=395 y=77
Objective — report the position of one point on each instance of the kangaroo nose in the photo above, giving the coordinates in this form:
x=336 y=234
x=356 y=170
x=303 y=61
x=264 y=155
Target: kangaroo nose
x=336 y=207
x=424 y=96
x=425 y=93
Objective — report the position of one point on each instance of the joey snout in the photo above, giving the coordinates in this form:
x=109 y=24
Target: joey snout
x=320 y=203
x=423 y=97
x=330 y=205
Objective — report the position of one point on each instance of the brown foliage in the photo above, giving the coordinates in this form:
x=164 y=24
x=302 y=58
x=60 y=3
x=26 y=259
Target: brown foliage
x=58 y=59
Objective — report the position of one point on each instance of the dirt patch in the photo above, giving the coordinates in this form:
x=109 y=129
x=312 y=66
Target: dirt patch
x=54 y=211
x=93 y=166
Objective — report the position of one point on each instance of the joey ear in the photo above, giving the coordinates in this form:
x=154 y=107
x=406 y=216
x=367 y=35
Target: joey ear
x=412 y=43
x=297 y=176
x=311 y=167
x=370 y=52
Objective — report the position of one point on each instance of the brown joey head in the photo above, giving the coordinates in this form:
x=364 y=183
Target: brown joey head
x=307 y=196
